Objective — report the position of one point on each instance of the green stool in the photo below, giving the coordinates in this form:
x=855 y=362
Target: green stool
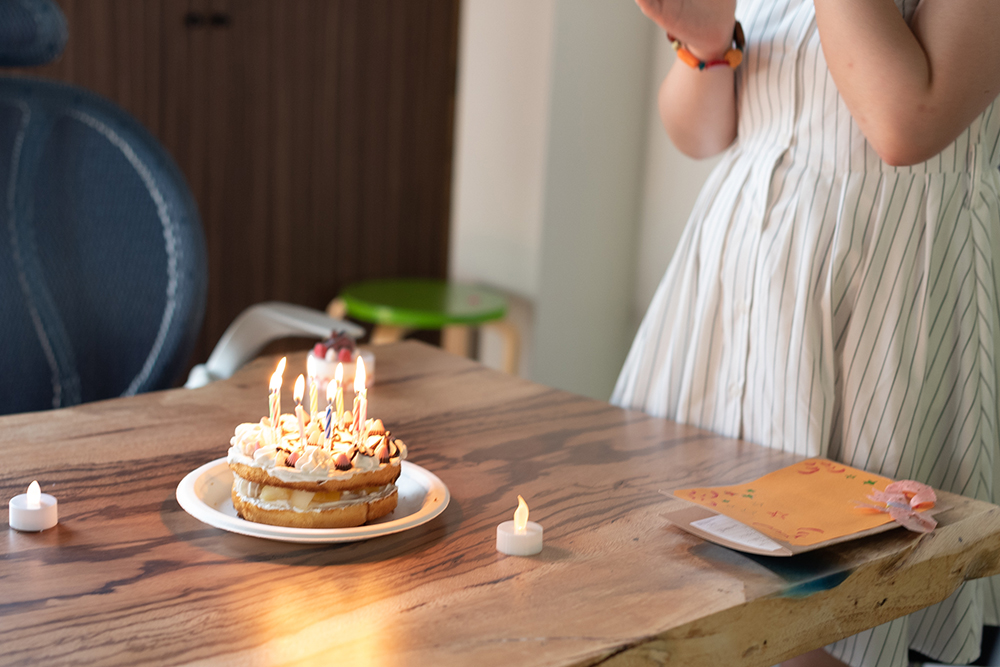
x=398 y=306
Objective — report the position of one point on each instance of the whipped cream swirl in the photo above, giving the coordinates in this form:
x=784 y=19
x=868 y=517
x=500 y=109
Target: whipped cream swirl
x=285 y=456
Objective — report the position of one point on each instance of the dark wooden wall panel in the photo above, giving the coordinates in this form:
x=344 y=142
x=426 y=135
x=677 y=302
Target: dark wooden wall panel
x=316 y=135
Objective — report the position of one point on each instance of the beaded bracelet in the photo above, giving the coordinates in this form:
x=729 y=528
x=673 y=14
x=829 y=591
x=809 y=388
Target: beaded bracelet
x=732 y=59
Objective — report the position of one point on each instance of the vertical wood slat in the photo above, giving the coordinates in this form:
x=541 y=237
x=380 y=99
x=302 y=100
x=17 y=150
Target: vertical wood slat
x=315 y=134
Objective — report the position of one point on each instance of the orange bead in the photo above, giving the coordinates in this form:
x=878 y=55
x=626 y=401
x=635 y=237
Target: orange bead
x=688 y=58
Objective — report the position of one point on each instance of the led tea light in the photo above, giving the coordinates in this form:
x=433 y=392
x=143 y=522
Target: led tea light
x=519 y=537
x=33 y=511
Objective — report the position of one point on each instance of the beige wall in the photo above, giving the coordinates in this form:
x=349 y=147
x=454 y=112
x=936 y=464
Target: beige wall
x=567 y=193
x=593 y=181
x=501 y=134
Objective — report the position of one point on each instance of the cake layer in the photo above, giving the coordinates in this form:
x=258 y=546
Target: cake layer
x=283 y=498
x=350 y=514
x=386 y=473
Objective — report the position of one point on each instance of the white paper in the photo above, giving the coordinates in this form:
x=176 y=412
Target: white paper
x=734 y=531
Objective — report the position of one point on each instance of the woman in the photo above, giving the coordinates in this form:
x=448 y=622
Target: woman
x=837 y=290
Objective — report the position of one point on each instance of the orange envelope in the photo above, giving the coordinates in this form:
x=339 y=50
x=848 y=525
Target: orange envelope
x=811 y=501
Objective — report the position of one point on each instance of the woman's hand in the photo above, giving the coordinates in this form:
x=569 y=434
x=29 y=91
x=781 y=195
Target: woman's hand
x=705 y=27
x=697 y=107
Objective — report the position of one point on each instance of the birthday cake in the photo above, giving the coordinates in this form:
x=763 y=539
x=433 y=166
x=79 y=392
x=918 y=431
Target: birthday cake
x=312 y=468
x=339 y=350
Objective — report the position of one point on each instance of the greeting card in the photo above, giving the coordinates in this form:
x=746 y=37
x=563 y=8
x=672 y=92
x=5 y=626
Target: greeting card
x=803 y=506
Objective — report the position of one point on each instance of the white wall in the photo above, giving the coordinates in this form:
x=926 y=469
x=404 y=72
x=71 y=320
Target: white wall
x=567 y=193
x=501 y=134
x=597 y=119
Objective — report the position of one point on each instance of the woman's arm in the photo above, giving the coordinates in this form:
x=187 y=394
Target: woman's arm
x=697 y=107
x=912 y=89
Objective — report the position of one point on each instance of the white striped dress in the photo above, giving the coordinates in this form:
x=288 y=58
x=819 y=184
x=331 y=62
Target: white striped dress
x=825 y=303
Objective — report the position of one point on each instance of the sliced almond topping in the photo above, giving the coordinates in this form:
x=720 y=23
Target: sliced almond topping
x=342 y=461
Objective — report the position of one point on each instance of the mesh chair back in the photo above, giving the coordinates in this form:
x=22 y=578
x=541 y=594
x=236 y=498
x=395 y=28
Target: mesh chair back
x=102 y=258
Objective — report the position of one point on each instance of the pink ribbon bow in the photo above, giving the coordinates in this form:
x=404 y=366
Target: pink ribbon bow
x=902 y=500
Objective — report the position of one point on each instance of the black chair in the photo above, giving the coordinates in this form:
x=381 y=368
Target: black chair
x=102 y=258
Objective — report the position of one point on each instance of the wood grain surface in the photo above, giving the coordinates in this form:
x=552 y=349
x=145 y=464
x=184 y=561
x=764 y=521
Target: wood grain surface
x=128 y=577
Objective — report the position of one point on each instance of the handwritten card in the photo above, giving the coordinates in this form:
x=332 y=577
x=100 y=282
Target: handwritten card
x=806 y=503
x=731 y=530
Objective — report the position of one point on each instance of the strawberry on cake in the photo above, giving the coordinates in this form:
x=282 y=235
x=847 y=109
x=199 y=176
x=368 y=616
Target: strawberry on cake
x=341 y=349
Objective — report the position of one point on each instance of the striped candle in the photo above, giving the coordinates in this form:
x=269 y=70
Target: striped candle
x=328 y=434
x=300 y=414
x=360 y=408
x=274 y=400
x=339 y=379
x=313 y=397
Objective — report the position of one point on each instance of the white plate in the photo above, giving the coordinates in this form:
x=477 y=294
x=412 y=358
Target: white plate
x=205 y=494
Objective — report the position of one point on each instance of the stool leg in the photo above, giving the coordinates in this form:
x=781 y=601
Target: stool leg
x=511 y=344
x=457 y=339
x=337 y=309
x=385 y=333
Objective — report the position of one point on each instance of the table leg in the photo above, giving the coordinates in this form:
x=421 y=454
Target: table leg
x=457 y=339
x=386 y=333
x=337 y=309
x=511 y=344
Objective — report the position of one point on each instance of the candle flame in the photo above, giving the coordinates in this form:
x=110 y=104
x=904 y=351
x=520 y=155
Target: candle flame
x=520 y=516
x=276 y=378
x=359 y=376
x=339 y=375
x=34 y=496
x=300 y=388
x=331 y=391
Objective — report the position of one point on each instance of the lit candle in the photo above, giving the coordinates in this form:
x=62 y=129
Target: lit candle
x=274 y=400
x=360 y=407
x=313 y=396
x=328 y=426
x=300 y=413
x=519 y=537
x=33 y=511
x=339 y=379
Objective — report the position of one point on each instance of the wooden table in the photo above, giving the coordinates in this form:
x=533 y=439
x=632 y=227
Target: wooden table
x=129 y=578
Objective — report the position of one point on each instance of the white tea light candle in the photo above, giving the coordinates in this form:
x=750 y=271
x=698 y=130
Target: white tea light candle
x=519 y=537
x=33 y=511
